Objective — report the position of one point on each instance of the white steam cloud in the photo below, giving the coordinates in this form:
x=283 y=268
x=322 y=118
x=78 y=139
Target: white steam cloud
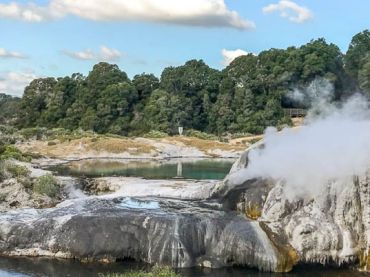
x=317 y=92
x=331 y=147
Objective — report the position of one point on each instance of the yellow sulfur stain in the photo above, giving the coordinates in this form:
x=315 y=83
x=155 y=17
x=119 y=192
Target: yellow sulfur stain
x=253 y=212
x=365 y=260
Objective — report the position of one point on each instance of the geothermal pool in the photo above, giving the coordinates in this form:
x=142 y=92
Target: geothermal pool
x=42 y=267
x=199 y=169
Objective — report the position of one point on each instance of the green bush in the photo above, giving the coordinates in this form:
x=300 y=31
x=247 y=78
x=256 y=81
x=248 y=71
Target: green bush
x=33 y=133
x=17 y=171
x=11 y=152
x=46 y=185
x=200 y=135
x=3 y=172
x=157 y=271
x=7 y=130
x=11 y=170
x=31 y=155
x=51 y=143
x=155 y=134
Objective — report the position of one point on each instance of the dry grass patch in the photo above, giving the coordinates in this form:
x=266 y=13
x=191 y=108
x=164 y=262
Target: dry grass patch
x=119 y=145
x=206 y=146
x=85 y=145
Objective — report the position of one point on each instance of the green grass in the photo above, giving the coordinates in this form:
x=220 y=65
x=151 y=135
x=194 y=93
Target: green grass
x=157 y=271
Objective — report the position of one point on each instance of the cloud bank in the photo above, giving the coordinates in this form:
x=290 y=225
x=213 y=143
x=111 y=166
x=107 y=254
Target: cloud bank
x=290 y=10
x=205 y=13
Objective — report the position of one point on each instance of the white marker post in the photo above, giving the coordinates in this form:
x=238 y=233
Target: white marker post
x=181 y=130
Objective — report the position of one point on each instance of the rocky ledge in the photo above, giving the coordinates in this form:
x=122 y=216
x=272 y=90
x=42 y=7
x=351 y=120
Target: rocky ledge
x=173 y=232
x=249 y=223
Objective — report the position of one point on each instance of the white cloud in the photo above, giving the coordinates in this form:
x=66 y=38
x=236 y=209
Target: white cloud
x=11 y=54
x=105 y=54
x=28 y=12
x=206 y=13
x=230 y=55
x=109 y=54
x=291 y=10
x=13 y=83
x=81 y=55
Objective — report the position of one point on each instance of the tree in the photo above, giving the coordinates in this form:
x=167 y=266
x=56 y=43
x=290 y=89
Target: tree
x=358 y=51
x=247 y=96
x=34 y=102
x=114 y=110
x=364 y=77
x=8 y=106
x=166 y=112
x=145 y=84
x=192 y=81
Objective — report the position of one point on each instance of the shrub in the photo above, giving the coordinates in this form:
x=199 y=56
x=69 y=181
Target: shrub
x=157 y=271
x=46 y=185
x=156 y=134
x=7 y=130
x=3 y=173
x=12 y=152
x=17 y=171
x=32 y=155
x=200 y=135
x=33 y=133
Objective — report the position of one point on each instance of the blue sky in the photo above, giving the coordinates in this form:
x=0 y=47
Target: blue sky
x=59 y=37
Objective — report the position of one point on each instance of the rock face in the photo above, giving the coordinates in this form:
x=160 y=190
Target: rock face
x=332 y=227
x=177 y=233
x=251 y=223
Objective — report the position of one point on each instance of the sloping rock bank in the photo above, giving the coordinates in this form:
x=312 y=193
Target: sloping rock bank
x=331 y=227
x=173 y=232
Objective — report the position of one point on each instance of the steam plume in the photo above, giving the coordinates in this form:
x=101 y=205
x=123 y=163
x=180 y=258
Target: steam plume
x=333 y=145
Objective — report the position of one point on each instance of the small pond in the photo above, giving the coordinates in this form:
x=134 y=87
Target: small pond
x=199 y=169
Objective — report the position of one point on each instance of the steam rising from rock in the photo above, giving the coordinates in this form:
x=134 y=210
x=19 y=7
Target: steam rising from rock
x=332 y=146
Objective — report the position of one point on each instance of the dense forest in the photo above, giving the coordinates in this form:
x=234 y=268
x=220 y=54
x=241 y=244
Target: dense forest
x=247 y=96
